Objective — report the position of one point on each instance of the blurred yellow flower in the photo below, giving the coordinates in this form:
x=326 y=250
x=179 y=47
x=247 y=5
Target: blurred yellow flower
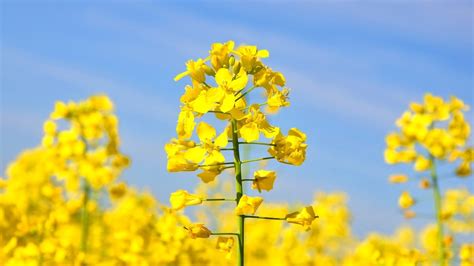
x=198 y=231
x=405 y=200
x=182 y=198
x=248 y=205
x=305 y=217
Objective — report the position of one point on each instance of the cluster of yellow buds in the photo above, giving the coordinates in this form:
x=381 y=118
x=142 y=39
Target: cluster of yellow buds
x=431 y=132
x=435 y=128
x=89 y=147
x=220 y=85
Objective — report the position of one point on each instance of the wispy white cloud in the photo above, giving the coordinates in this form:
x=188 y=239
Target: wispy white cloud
x=133 y=100
x=337 y=98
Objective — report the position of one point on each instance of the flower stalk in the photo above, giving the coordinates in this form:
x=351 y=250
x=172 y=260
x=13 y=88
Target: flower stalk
x=85 y=216
x=437 y=205
x=239 y=192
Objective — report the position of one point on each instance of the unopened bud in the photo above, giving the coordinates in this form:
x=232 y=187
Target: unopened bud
x=231 y=60
x=237 y=67
x=209 y=71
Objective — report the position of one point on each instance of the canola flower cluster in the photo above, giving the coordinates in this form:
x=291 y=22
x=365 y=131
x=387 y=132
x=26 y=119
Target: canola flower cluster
x=220 y=86
x=432 y=133
x=43 y=217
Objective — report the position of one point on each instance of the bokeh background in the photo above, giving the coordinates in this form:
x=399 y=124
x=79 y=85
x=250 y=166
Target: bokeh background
x=353 y=68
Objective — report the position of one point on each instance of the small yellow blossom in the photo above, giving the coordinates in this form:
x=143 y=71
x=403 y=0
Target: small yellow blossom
x=248 y=205
x=263 y=179
x=290 y=149
x=198 y=231
x=405 y=201
x=305 y=217
x=225 y=244
x=182 y=198
x=398 y=179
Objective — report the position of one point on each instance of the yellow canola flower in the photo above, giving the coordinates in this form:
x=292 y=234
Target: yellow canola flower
x=466 y=254
x=225 y=244
x=424 y=184
x=183 y=198
x=290 y=149
x=398 y=179
x=185 y=125
x=255 y=122
x=198 y=231
x=195 y=69
x=405 y=200
x=230 y=84
x=60 y=111
x=250 y=56
x=220 y=53
x=248 y=205
x=305 y=217
x=264 y=179
x=49 y=128
x=277 y=99
x=208 y=151
x=176 y=150
x=422 y=164
x=117 y=191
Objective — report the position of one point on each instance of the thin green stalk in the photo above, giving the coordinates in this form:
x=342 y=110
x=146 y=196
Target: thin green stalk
x=221 y=199
x=265 y=217
x=258 y=143
x=248 y=179
x=239 y=191
x=216 y=164
x=245 y=93
x=225 y=234
x=85 y=216
x=437 y=204
x=256 y=160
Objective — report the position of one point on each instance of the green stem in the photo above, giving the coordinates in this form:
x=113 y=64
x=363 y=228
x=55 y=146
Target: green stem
x=258 y=143
x=265 y=217
x=248 y=179
x=221 y=199
x=256 y=160
x=239 y=191
x=245 y=93
x=224 y=234
x=437 y=204
x=216 y=164
x=85 y=216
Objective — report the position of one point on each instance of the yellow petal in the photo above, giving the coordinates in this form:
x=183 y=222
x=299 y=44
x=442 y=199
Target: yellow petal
x=223 y=77
x=249 y=132
x=205 y=131
x=222 y=140
x=181 y=75
x=195 y=155
x=228 y=102
x=263 y=53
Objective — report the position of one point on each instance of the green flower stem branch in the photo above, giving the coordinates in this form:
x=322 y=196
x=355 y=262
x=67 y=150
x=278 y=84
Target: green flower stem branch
x=437 y=205
x=224 y=234
x=245 y=93
x=216 y=164
x=259 y=159
x=85 y=216
x=257 y=143
x=219 y=199
x=264 y=217
x=239 y=191
x=248 y=179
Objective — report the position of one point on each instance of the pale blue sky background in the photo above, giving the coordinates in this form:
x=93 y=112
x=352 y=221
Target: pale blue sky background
x=353 y=68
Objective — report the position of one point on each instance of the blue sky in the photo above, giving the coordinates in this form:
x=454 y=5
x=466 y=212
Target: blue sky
x=353 y=68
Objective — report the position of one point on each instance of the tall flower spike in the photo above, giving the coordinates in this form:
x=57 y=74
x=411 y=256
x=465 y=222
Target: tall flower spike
x=221 y=85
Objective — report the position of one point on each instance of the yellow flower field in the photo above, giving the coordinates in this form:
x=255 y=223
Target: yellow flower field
x=63 y=202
